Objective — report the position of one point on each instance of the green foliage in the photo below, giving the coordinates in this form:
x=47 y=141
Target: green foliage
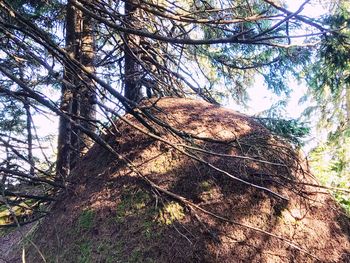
x=293 y=130
x=330 y=162
x=47 y=13
x=86 y=220
x=11 y=115
x=328 y=78
x=171 y=213
x=133 y=202
x=85 y=249
x=251 y=37
x=235 y=68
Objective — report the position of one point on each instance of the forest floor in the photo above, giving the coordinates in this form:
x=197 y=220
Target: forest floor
x=10 y=241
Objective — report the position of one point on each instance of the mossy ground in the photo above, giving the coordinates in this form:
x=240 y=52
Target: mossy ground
x=136 y=213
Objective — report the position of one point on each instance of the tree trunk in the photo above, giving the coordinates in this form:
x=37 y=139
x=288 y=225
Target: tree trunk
x=29 y=137
x=78 y=102
x=347 y=102
x=132 y=69
x=84 y=95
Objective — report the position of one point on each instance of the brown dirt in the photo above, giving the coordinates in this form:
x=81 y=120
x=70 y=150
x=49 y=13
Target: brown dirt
x=112 y=215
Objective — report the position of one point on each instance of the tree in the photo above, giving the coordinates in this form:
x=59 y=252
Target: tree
x=132 y=71
x=78 y=95
x=329 y=81
x=117 y=52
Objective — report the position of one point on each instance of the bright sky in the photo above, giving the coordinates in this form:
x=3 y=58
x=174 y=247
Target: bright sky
x=261 y=99
x=313 y=9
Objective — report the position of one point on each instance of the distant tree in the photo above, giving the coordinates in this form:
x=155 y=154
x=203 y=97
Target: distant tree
x=329 y=81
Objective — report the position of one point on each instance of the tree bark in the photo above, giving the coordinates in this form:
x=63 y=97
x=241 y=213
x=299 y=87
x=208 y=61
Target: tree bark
x=29 y=137
x=132 y=69
x=347 y=102
x=77 y=102
x=83 y=108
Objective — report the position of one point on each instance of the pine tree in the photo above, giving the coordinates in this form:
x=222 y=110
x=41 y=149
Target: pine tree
x=329 y=81
x=78 y=95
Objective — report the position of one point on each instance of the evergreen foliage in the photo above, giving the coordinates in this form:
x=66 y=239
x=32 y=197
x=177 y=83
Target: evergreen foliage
x=328 y=77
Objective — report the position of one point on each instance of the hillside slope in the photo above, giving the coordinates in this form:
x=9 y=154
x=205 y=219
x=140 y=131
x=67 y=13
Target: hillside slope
x=173 y=208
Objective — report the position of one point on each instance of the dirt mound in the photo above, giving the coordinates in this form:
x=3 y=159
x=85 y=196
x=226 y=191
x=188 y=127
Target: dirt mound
x=216 y=187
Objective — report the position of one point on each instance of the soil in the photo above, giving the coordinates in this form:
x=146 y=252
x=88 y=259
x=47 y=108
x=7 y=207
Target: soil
x=254 y=200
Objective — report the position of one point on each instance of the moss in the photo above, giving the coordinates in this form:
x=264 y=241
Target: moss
x=117 y=249
x=206 y=185
x=208 y=190
x=136 y=256
x=85 y=252
x=81 y=251
x=86 y=220
x=110 y=252
x=163 y=164
x=170 y=213
x=133 y=202
x=117 y=252
x=151 y=230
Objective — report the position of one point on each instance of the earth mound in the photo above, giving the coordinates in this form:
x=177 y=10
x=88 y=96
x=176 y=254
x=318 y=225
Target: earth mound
x=212 y=186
